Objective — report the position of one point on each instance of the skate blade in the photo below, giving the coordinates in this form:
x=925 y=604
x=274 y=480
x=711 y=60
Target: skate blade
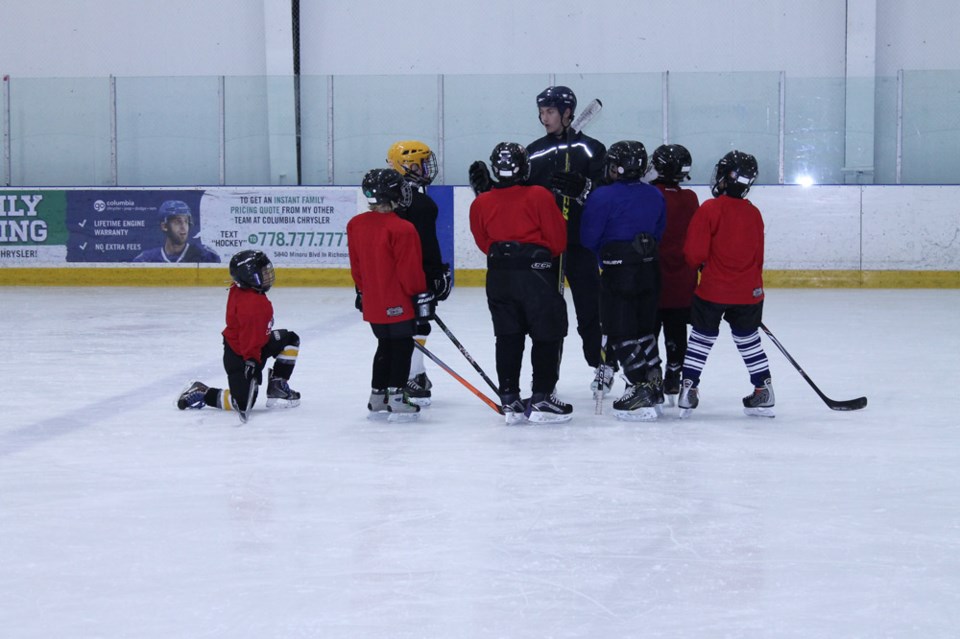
x=758 y=412
x=646 y=414
x=379 y=416
x=514 y=418
x=548 y=418
x=399 y=418
x=671 y=400
x=278 y=402
x=420 y=401
x=685 y=413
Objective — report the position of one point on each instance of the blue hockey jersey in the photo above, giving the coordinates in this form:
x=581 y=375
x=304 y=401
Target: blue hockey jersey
x=618 y=212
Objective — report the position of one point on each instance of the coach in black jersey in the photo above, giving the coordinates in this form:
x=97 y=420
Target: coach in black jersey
x=570 y=164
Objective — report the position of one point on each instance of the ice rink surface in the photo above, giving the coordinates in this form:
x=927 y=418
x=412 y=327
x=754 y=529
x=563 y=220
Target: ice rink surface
x=122 y=517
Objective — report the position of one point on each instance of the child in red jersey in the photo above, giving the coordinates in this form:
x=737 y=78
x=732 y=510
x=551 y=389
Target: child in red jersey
x=671 y=165
x=248 y=341
x=386 y=263
x=725 y=239
x=522 y=232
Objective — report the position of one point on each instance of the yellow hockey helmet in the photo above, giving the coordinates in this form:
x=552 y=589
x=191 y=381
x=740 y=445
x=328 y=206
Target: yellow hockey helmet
x=413 y=160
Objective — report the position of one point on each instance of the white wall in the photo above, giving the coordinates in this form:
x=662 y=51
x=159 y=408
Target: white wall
x=920 y=34
x=82 y=38
x=98 y=38
x=564 y=36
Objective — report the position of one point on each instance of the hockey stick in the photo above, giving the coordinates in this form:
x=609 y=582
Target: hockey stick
x=245 y=413
x=486 y=400
x=598 y=394
x=586 y=116
x=848 y=404
x=456 y=342
x=598 y=378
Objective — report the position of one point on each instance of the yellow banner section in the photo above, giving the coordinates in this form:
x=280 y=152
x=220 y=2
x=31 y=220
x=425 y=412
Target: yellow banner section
x=306 y=277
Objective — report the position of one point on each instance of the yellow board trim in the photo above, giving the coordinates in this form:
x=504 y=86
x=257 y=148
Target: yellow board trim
x=307 y=277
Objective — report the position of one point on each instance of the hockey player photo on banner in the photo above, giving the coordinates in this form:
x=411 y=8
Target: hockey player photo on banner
x=140 y=226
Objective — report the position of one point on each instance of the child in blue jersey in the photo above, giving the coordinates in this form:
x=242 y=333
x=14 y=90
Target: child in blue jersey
x=623 y=224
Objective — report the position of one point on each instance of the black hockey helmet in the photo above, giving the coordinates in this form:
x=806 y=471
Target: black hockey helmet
x=560 y=97
x=627 y=159
x=386 y=187
x=510 y=163
x=672 y=162
x=734 y=174
x=252 y=269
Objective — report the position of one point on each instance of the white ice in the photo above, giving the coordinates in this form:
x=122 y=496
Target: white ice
x=121 y=516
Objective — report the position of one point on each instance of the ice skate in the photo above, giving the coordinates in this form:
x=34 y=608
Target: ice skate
x=602 y=380
x=689 y=398
x=671 y=386
x=279 y=393
x=637 y=404
x=760 y=403
x=655 y=383
x=377 y=405
x=193 y=396
x=513 y=408
x=546 y=408
x=400 y=408
x=418 y=390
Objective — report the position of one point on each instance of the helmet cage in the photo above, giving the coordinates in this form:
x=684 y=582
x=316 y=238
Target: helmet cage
x=414 y=161
x=734 y=174
x=252 y=269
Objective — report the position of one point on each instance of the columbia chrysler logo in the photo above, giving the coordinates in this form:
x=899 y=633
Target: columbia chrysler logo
x=99 y=206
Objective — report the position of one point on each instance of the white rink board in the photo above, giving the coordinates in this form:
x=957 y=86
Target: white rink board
x=830 y=227
x=911 y=228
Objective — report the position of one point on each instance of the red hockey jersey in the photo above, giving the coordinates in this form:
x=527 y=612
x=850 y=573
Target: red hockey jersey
x=386 y=264
x=527 y=214
x=678 y=278
x=249 y=321
x=726 y=237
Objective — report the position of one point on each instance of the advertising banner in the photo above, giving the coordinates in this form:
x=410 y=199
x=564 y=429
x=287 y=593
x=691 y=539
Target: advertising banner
x=294 y=226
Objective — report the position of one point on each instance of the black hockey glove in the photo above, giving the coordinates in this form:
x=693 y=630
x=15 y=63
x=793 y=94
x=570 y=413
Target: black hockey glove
x=250 y=369
x=442 y=283
x=424 y=306
x=480 y=180
x=358 y=303
x=572 y=185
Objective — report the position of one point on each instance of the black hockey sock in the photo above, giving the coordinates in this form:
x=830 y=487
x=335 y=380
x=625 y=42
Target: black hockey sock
x=545 y=357
x=509 y=361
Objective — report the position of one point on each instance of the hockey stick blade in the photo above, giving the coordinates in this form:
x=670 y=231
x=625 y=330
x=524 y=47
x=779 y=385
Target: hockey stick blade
x=590 y=112
x=833 y=404
x=245 y=413
x=598 y=394
x=486 y=400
